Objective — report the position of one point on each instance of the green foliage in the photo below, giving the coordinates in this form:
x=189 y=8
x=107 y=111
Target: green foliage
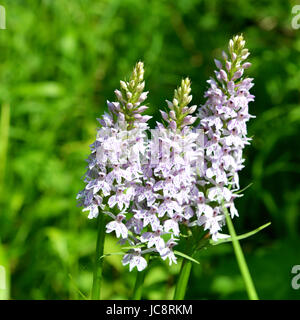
x=61 y=60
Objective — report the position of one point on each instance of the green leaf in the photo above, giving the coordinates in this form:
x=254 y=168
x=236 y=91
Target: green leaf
x=178 y=253
x=133 y=247
x=242 y=236
x=111 y=254
x=242 y=190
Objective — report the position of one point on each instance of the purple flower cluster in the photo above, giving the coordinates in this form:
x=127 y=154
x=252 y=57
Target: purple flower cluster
x=182 y=177
x=223 y=119
x=114 y=166
x=165 y=200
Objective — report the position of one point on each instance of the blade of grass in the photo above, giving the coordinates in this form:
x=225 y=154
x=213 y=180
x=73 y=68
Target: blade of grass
x=4 y=137
x=4 y=275
x=76 y=287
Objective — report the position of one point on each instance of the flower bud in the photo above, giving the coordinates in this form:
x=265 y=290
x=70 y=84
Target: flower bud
x=141 y=109
x=246 y=65
x=189 y=120
x=192 y=109
x=164 y=115
x=223 y=75
x=172 y=114
x=144 y=119
x=123 y=85
x=143 y=96
x=224 y=55
x=230 y=86
x=238 y=74
x=111 y=107
x=173 y=125
x=218 y=64
x=228 y=65
x=118 y=93
x=129 y=95
x=141 y=86
x=170 y=104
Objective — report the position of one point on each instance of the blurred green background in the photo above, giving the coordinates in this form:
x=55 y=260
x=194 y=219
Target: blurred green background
x=59 y=62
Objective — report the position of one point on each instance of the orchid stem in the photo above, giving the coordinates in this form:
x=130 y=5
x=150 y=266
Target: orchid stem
x=139 y=282
x=138 y=288
x=193 y=247
x=183 y=279
x=97 y=275
x=241 y=259
x=185 y=271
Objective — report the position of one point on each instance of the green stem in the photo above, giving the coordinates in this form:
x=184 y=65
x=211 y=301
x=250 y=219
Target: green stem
x=139 y=282
x=138 y=287
x=97 y=275
x=183 y=279
x=241 y=259
x=196 y=243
